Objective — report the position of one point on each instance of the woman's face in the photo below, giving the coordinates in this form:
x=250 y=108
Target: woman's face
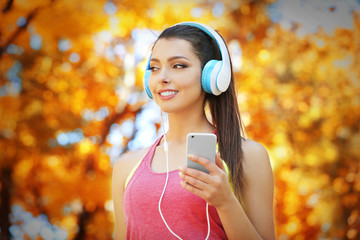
x=175 y=79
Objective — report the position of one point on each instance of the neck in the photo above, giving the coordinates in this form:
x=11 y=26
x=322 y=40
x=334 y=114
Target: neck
x=182 y=124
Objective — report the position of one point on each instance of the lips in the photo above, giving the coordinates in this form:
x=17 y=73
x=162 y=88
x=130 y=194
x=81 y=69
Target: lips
x=167 y=93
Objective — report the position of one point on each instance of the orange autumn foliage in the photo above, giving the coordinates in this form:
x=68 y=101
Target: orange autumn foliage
x=70 y=73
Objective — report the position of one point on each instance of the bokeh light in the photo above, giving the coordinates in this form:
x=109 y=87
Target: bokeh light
x=72 y=102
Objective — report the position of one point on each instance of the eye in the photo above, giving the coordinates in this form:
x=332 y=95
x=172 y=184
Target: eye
x=179 y=66
x=153 y=69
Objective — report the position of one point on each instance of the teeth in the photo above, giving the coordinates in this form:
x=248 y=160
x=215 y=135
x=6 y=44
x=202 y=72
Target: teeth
x=167 y=93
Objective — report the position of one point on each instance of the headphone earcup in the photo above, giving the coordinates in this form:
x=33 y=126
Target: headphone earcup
x=206 y=76
x=146 y=83
x=209 y=77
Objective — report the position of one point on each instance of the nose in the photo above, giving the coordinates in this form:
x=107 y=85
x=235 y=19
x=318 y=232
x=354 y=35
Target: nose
x=164 y=77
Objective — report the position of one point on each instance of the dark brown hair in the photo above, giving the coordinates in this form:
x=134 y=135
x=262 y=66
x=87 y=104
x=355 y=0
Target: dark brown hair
x=224 y=108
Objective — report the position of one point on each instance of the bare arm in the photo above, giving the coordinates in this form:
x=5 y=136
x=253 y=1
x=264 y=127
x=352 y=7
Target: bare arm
x=258 y=221
x=118 y=183
x=259 y=193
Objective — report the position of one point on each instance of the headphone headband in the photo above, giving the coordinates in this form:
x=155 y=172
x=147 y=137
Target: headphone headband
x=225 y=70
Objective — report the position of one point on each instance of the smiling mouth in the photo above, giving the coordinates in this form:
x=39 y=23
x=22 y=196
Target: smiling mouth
x=167 y=93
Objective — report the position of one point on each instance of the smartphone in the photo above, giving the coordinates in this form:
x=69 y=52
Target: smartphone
x=201 y=144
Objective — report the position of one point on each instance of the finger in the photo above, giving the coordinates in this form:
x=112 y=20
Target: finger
x=193 y=181
x=192 y=189
x=195 y=173
x=209 y=165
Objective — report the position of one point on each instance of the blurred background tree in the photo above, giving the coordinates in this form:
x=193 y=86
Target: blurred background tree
x=71 y=102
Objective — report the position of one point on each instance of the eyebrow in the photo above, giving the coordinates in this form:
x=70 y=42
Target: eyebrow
x=170 y=58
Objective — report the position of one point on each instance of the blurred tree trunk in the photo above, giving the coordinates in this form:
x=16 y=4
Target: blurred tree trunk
x=8 y=6
x=6 y=185
x=83 y=219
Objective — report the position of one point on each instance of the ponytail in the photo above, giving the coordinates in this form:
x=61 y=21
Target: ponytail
x=229 y=128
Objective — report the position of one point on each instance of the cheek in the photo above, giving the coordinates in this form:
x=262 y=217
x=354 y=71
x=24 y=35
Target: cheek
x=194 y=82
x=152 y=84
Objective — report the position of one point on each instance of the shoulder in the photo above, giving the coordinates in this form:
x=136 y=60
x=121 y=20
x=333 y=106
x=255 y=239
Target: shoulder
x=256 y=165
x=126 y=163
x=254 y=153
x=130 y=158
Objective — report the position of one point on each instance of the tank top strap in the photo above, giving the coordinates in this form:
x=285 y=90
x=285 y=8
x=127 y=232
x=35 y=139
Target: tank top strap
x=148 y=157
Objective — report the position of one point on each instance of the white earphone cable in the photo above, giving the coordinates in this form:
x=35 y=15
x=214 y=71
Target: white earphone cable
x=166 y=149
x=163 y=192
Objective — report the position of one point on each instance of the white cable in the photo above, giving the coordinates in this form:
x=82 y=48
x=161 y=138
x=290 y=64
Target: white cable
x=208 y=221
x=166 y=149
x=162 y=194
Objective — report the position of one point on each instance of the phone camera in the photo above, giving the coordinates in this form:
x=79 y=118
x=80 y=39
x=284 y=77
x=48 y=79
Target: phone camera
x=192 y=136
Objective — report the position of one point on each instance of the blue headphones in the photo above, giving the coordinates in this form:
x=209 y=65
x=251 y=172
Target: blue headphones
x=216 y=75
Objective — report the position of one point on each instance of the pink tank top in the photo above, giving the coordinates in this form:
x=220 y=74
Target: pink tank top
x=184 y=212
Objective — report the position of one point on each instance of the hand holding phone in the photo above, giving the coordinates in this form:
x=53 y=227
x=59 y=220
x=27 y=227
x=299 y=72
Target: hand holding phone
x=203 y=145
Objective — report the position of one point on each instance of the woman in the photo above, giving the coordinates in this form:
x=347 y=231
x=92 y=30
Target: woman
x=239 y=191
